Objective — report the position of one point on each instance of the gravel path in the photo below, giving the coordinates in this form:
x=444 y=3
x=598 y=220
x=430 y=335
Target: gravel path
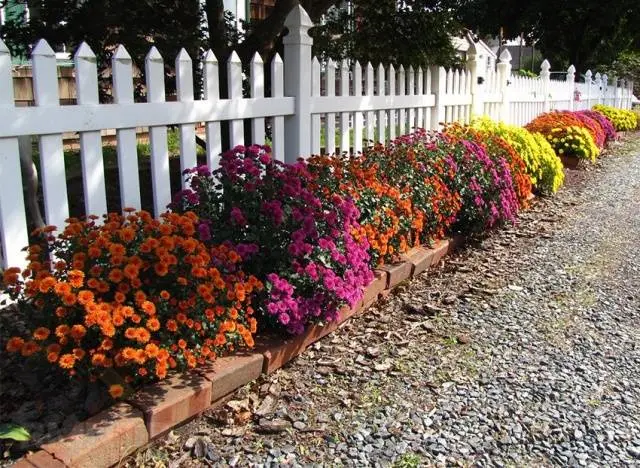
x=522 y=350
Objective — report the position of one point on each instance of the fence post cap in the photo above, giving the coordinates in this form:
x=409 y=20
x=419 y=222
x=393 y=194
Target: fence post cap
x=588 y=74
x=43 y=49
x=505 y=56
x=545 y=65
x=298 y=16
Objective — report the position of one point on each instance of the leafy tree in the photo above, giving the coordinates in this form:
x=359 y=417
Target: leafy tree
x=627 y=66
x=413 y=32
x=586 y=34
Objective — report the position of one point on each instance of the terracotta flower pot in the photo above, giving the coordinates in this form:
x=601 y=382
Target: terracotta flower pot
x=570 y=162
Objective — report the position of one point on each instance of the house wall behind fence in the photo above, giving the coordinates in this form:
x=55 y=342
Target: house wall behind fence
x=311 y=107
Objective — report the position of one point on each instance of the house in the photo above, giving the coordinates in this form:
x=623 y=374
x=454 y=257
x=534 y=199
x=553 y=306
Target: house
x=485 y=55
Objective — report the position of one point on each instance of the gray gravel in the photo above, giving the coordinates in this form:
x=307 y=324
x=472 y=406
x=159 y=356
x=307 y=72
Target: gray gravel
x=521 y=350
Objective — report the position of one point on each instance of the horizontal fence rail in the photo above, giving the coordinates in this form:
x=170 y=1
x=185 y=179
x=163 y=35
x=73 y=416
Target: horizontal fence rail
x=306 y=106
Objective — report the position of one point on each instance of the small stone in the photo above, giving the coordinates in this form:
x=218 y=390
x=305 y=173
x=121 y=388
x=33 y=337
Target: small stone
x=463 y=338
x=634 y=451
x=267 y=406
x=190 y=443
x=273 y=427
x=299 y=425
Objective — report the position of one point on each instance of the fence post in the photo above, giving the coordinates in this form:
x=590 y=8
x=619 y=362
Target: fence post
x=476 y=88
x=571 y=85
x=297 y=83
x=438 y=83
x=619 y=94
x=605 y=88
x=587 y=79
x=598 y=88
x=504 y=77
x=545 y=77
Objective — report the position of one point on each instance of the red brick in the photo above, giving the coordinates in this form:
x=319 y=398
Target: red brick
x=440 y=249
x=232 y=372
x=100 y=441
x=42 y=459
x=398 y=272
x=420 y=258
x=374 y=289
x=22 y=463
x=173 y=401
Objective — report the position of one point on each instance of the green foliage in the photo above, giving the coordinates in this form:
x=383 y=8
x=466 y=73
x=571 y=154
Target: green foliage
x=626 y=65
x=380 y=31
x=586 y=34
x=14 y=432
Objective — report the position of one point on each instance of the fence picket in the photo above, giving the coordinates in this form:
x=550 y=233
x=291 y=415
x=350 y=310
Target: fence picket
x=382 y=114
x=257 y=91
x=127 y=147
x=212 y=93
x=160 y=179
x=358 y=122
x=402 y=113
x=234 y=78
x=13 y=222
x=392 y=112
x=54 y=181
x=344 y=116
x=411 y=91
x=316 y=77
x=184 y=90
x=420 y=92
x=277 y=90
x=330 y=118
x=369 y=92
x=95 y=194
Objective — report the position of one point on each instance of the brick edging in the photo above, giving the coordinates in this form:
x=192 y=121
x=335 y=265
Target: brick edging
x=106 y=438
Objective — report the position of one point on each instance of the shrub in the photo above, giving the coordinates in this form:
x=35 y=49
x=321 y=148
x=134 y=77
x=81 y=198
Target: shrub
x=135 y=294
x=305 y=244
x=622 y=119
x=606 y=125
x=566 y=133
x=400 y=191
x=541 y=163
x=573 y=141
x=497 y=148
x=484 y=182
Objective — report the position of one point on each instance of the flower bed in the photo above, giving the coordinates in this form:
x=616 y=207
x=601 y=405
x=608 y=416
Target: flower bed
x=622 y=119
x=260 y=245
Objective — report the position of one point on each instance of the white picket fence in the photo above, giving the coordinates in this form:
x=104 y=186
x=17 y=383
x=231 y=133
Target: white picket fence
x=355 y=104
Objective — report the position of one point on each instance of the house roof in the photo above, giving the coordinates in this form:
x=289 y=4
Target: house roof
x=461 y=44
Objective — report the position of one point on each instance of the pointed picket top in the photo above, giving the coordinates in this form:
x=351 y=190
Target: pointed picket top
x=210 y=57
x=545 y=65
x=234 y=58
x=84 y=52
x=256 y=59
x=121 y=54
x=392 y=69
x=357 y=66
x=344 y=64
x=43 y=48
x=315 y=62
x=153 y=55
x=3 y=47
x=298 y=16
x=571 y=70
x=183 y=56
x=588 y=74
x=401 y=69
x=505 y=56
x=598 y=76
x=277 y=59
